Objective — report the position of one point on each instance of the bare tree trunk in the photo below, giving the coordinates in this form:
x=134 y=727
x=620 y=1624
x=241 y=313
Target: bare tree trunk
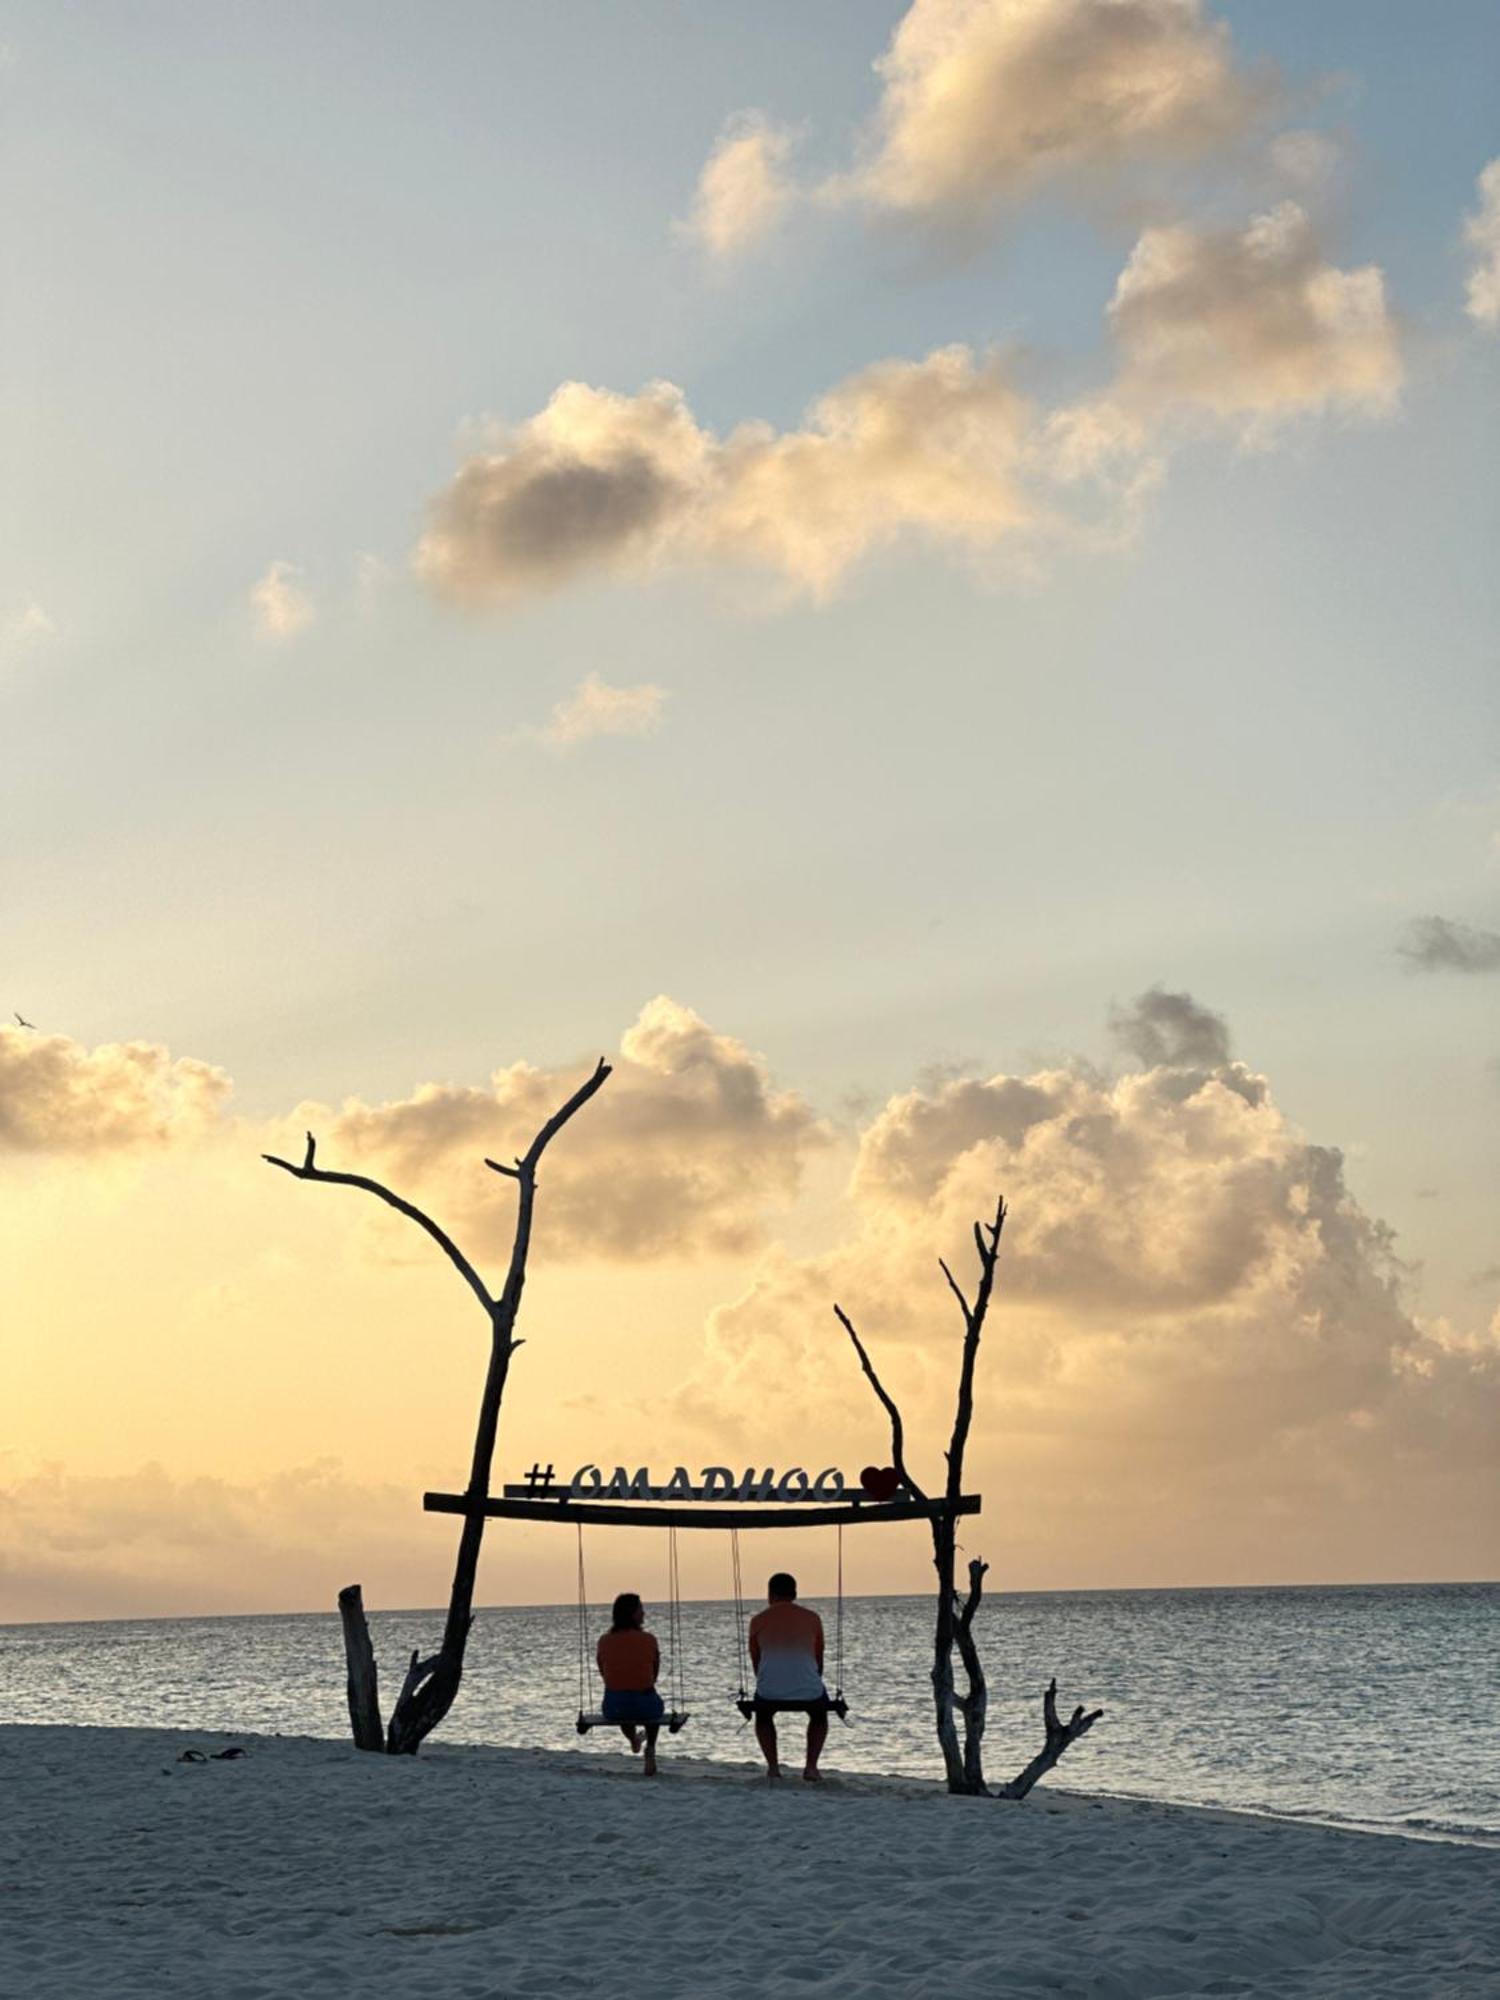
x=1060 y=1737
x=431 y=1685
x=944 y=1698
x=962 y=1763
x=363 y=1685
x=974 y=1705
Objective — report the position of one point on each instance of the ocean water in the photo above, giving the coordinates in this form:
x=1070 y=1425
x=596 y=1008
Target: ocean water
x=1374 y=1707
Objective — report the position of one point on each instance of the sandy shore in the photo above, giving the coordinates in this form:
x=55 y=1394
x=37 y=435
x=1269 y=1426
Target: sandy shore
x=304 y=1868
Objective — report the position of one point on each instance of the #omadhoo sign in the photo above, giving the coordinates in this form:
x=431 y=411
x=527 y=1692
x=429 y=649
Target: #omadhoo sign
x=715 y=1482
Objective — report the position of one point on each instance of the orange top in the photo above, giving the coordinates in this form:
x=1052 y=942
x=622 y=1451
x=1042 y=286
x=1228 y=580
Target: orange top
x=786 y=1627
x=629 y=1661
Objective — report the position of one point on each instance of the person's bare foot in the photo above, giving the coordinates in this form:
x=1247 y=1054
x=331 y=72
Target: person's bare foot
x=773 y=1776
x=648 y=1769
x=635 y=1743
x=812 y=1777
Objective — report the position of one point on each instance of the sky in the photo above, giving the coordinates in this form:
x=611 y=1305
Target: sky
x=922 y=579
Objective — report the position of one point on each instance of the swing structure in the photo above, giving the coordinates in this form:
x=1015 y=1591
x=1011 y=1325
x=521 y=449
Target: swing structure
x=762 y=1501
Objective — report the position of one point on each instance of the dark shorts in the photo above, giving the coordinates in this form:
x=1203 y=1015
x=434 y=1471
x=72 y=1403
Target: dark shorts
x=766 y=1710
x=632 y=1705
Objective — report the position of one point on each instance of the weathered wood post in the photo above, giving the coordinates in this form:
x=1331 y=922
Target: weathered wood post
x=363 y=1684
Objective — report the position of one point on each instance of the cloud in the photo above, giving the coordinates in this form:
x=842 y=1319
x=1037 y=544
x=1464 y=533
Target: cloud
x=1201 y=1338
x=1171 y=1030
x=148 y=1543
x=744 y=189
x=596 y=709
x=683 y=1151
x=1250 y=325
x=1307 y=159
x=1482 y=234
x=935 y=447
x=282 y=607
x=1435 y=944
x=984 y=101
x=621 y=484
x=596 y=481
x=29 y=627
x=58 y=1097
x=1241 y=331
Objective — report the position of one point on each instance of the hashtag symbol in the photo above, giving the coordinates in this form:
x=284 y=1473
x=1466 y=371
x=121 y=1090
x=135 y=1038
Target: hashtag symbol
x=537 y=1480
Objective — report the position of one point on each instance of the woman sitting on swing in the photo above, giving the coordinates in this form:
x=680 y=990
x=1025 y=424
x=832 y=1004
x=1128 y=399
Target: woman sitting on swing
x=629 y=1661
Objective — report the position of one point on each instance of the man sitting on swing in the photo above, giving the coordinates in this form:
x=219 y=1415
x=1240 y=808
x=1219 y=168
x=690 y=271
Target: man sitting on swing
x=629 y=1661
x=786 y=1650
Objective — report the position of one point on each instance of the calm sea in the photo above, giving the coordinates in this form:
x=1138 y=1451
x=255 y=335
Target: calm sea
x=1374 y=1707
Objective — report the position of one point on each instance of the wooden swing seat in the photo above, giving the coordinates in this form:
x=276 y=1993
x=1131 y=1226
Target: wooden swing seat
x=672 y=1722
x=836 y=1706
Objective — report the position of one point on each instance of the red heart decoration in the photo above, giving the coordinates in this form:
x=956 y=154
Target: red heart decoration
x=881 y=1482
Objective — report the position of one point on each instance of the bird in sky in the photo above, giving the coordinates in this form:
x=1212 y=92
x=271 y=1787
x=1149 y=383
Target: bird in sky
x=21 y=1018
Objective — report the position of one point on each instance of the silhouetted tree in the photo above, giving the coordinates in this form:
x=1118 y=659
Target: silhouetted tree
x=964 y=1761
x=428 y=1691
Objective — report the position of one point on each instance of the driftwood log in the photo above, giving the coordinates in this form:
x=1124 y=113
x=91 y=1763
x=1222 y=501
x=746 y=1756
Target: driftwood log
x=431 y=1684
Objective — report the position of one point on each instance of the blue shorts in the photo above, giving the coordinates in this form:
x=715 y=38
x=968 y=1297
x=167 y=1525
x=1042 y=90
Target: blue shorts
x=632 y=1705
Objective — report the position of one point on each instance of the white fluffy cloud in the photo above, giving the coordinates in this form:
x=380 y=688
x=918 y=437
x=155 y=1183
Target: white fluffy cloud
x=597 y=481
x=622 y=484
x=1250 y=325
x=58 y=1097
x=594 y=708
x=1482 y=234
x=745 y=188
x=1197 y=1320
x=1242 y=330
x=281 y=605
x=984 y=100
x=684 y=1150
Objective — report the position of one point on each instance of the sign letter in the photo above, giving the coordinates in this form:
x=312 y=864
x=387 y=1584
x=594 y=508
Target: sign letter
x=829 y=1484
x=586 y=1480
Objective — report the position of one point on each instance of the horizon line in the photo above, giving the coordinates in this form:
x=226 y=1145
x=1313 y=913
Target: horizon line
x=850 y=1597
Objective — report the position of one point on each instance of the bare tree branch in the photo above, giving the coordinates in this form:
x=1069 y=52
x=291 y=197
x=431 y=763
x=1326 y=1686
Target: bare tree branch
x=560 y=1118
x=963 y=1303
x=989 y=1257
x=898 y=1456
x=1060 y=1737
x=309 y=1172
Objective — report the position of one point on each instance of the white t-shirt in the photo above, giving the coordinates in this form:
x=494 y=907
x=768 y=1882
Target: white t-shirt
x=785 y=1641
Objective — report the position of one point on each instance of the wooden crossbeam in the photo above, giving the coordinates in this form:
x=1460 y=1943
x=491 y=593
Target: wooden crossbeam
x=610 y=1514
x=530 y=1489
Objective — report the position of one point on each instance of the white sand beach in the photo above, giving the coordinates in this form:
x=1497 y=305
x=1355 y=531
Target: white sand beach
x=306 y=1868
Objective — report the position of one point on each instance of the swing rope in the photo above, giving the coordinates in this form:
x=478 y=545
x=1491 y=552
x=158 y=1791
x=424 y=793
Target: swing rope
x=674 y=1623
x=838 y=1628
x=583 y=1632
x=742 y=1651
